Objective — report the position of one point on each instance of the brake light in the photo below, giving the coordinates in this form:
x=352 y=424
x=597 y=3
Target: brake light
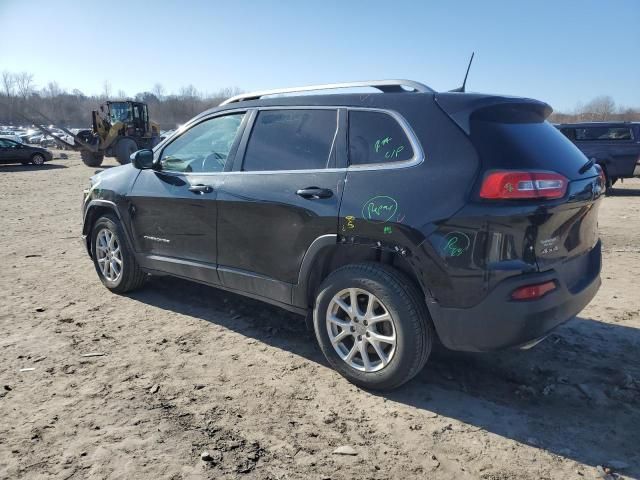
x=511 y=184
x=533 y=292
x=601 y=176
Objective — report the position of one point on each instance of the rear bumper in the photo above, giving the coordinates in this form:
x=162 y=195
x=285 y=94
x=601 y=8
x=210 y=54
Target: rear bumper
x=498 y=322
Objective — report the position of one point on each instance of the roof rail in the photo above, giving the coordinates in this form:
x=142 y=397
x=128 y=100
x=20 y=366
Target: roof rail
x=385 y=86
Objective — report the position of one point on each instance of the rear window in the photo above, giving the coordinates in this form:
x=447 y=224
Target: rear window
x=376 y=137
x=603 y=133
x=527 y=146
x=291 y=140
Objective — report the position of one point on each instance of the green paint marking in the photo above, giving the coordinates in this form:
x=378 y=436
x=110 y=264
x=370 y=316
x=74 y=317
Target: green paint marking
x=387 y=230
x=455 y=244
x=379 y=209
x=381 y=143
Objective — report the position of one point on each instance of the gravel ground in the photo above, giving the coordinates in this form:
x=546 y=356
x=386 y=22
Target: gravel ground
x=185 y=369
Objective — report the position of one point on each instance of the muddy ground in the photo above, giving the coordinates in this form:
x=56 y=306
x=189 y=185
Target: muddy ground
x=188 y=368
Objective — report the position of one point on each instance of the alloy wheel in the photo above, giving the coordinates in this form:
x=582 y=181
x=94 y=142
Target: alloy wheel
x=361 y=330
x=109 y=255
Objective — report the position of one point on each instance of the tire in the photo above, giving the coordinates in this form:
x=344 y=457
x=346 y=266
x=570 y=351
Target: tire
x=608 y=182
x=129 y=276
x=124 y=148
x=91 y=159
x=409 y=323
x=37 y=159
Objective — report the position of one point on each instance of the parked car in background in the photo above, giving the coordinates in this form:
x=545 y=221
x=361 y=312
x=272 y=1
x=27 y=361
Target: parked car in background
x=388 y=219
x=14 y=152
x=615 y=146
x=11 y=136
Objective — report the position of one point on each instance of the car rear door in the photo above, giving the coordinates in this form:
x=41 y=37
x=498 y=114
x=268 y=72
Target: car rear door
x=283 y=194
x=173 y=209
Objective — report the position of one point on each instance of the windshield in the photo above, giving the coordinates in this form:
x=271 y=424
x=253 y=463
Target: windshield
x=120 y=112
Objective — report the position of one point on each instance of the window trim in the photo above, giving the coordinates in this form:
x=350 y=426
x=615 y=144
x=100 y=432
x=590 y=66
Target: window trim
x=333 y=152
x=418 y=154
x=589 y=140
x=251 y=113
x=188 y=126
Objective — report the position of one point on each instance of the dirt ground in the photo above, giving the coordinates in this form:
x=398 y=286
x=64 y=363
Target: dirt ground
x=187 y=369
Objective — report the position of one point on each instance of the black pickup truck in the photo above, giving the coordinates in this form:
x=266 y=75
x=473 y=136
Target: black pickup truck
x=615 y=146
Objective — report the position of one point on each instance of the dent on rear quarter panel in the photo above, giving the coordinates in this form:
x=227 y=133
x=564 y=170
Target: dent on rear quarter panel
x=398 y=209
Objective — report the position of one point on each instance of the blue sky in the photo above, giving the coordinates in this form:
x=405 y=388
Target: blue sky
x=562 y=52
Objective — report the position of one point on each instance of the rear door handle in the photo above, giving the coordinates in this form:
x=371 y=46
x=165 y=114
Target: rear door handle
x=313 y=193
x=201 y=189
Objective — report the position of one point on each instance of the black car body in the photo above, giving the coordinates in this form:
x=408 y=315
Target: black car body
x=615 y=146
x=475 y=199
x=14 y=152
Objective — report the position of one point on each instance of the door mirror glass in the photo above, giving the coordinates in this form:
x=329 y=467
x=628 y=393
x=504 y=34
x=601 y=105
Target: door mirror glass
x=142 y=159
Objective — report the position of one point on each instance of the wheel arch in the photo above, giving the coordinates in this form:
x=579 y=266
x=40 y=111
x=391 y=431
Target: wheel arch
x=95 y=210
x=326 y=254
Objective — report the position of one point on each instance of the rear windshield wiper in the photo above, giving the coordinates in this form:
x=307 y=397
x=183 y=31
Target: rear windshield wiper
x=587 y=166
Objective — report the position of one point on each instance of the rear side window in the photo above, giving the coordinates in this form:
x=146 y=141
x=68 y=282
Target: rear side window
x=603 y=133
x=376 y=137
x=570 y=133
x=291 y=140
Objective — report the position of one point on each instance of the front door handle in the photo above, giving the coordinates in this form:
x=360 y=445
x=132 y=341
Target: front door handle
x=201 y=189
x=313 y=193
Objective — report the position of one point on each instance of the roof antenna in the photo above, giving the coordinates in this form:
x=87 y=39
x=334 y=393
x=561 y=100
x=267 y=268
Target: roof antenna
x=464 y=84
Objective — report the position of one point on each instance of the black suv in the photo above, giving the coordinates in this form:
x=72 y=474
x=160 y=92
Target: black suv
x=615 y=146
x=390 y=219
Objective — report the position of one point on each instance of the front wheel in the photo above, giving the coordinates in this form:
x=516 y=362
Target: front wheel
x=114 y=261
x=91 y=159
x=372 y=325
x=124 y=149
x=37 y=159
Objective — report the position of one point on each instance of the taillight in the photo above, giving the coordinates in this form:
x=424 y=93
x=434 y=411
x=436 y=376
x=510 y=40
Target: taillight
x=601 y=176
x=511 y=184
x=533 y=292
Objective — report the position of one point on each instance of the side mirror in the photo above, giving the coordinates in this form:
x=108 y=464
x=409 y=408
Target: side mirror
x=142 y=159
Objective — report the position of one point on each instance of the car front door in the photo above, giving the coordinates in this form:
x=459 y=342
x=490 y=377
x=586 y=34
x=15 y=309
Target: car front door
x=11 y=151
x=4 y=150
x=173 y=208
x=283 y=194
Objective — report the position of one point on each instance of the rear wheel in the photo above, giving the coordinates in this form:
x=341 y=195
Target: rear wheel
x=37 y=159
x=91 y=159
x=372 y=325
x=113 y=259
x=124 y=149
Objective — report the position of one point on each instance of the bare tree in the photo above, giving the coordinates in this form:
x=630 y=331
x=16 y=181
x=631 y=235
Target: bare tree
x=8 y=82
x=106 y=89
x=158 y=91
x=24 y=84
x=600 y=108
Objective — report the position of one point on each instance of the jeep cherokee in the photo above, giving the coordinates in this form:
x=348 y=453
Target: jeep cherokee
x=390 y=219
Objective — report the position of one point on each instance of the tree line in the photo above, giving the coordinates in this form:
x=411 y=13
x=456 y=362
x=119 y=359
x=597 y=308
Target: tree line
x=20 y=97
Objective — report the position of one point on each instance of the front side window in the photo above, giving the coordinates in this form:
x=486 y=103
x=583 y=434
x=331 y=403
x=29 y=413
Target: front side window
x=603 y=133
x=4 y=143
x=376 y=137
x=291 y=140
x=204 y=147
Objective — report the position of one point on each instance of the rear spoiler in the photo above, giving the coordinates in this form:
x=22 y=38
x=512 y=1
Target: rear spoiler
x=461 y=107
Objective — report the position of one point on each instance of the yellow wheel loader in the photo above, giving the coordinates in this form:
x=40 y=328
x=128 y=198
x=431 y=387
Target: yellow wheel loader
x=119 y=129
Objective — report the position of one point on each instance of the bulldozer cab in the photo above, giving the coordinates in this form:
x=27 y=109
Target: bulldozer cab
x=132 y=116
